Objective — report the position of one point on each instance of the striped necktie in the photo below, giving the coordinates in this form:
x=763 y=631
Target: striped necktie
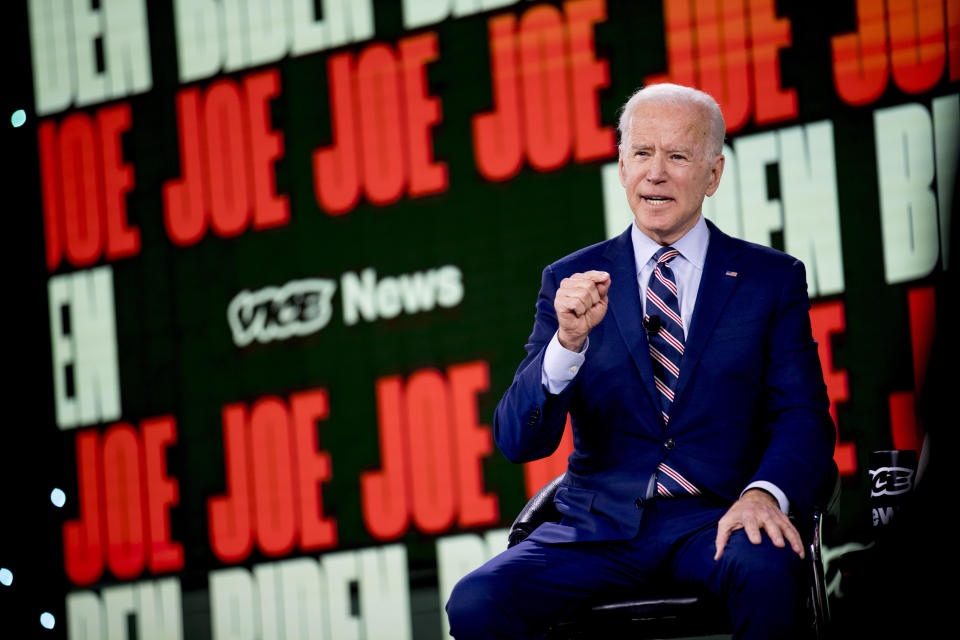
x=666 y=349
x=666 y=344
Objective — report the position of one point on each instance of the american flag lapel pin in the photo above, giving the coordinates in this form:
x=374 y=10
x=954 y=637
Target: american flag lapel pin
x=732 y=274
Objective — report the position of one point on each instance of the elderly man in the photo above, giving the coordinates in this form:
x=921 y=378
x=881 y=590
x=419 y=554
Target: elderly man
x=700 y=417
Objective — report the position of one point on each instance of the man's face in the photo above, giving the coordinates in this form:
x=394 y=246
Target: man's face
x=667 y=167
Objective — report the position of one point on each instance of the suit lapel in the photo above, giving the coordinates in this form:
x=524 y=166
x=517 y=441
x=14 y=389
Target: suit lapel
x=717 y=282
x=624 y=305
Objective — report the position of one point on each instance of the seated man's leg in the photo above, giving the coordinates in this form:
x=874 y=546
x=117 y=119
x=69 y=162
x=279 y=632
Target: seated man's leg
x=764 y=585
x=522 y=591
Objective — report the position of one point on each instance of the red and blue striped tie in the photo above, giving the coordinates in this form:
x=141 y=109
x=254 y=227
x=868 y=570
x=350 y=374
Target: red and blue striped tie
x=666 y=349
x=666 y=344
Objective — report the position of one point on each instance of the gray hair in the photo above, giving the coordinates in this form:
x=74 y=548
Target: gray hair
x=675 y=94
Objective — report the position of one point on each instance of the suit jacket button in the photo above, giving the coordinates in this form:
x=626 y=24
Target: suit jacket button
x=638 y=503
x=669 y=444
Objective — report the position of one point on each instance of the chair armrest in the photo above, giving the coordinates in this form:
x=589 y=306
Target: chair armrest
x=539 y=509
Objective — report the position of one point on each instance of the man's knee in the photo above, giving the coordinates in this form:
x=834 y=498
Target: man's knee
x=480 y=607
x=469 y=602
x=762 y=566
x=501 y=599
x=764 y=586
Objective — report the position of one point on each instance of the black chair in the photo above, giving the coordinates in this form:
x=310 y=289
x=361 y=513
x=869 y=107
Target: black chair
x=675 y=612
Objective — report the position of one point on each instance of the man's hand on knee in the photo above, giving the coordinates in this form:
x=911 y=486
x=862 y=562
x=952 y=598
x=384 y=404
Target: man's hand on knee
x=755 y=510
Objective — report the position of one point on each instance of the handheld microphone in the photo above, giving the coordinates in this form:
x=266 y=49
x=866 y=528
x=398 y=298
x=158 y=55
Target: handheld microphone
x=651 y=324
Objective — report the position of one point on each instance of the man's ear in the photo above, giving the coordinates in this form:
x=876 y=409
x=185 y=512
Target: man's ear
x=716 y=170
x=623 y=177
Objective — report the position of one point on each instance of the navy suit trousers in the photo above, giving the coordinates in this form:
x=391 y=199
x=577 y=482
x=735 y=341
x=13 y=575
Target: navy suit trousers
x=522 y=591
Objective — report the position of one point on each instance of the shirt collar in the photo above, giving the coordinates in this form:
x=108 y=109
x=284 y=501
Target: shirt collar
x=692 y=246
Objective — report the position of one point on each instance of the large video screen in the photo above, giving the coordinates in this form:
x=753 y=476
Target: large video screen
x=289 y=253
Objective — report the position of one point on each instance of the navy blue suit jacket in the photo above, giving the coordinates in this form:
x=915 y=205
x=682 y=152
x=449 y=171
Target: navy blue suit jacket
x=750 y=402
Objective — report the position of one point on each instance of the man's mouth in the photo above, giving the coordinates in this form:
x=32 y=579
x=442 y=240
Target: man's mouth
x=657 y=200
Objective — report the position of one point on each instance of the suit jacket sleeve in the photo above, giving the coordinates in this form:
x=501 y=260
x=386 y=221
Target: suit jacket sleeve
x=529 y=421
x=801 y=434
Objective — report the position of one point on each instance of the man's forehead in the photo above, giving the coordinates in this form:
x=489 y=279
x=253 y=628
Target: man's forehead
x=687 y=134
x=677 y=125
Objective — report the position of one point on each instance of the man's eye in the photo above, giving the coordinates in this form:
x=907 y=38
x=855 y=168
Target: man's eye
x=677 y=156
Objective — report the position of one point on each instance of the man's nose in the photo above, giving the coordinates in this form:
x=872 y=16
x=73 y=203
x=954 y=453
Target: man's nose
x=656 y=169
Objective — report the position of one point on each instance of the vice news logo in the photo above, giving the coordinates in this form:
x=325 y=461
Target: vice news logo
x=298 y=308
x=305 y=306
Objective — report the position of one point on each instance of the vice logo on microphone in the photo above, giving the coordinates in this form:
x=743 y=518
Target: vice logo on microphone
x=890 y=481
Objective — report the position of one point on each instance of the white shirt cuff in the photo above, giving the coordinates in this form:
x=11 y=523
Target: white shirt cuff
x=560 y=365
x=773 y=490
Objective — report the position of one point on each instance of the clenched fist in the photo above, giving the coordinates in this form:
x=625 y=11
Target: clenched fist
x=581 y=303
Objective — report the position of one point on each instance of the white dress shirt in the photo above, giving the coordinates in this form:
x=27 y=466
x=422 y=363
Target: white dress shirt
x=561 y=365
